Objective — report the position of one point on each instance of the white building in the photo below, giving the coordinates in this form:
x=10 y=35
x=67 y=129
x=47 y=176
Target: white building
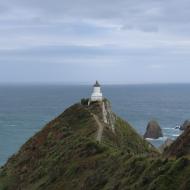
x=96 y=94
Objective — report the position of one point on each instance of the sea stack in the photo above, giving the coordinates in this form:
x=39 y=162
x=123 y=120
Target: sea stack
x=153 y=130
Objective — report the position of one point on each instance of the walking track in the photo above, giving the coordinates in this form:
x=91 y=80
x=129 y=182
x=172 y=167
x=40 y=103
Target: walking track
x=100 y=128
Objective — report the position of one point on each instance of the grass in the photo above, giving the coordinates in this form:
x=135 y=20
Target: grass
x=65 y=155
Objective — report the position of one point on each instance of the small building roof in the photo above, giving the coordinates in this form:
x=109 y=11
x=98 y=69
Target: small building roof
x=97 y=84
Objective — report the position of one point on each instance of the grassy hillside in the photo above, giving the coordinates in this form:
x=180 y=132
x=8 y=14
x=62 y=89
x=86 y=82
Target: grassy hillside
x=65 y=155
x=180 y=147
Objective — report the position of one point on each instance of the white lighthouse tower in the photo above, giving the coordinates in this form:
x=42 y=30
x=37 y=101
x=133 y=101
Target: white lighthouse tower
x=96 y=94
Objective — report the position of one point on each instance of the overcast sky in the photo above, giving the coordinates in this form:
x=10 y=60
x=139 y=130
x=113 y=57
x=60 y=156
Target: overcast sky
x=79 y=41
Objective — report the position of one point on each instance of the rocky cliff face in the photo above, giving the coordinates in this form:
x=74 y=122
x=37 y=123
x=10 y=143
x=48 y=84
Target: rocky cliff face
x=166 y=145
x=184 y=125
x=181 y=146
x=79 y=150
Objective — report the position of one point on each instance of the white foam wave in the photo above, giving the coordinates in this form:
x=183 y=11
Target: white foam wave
x=167 y=128
x=159 y=139
x=175 y=135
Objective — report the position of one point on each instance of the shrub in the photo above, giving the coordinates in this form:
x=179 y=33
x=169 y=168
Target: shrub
x=84 y=101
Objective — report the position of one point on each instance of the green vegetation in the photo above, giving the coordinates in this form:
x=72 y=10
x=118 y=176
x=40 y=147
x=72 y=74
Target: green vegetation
x=84 y=101
x=65 y=155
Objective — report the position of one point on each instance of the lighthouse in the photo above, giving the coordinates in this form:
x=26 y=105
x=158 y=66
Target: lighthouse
x=96 y=94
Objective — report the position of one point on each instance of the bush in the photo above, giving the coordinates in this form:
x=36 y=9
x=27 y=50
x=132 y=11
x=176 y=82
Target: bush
x=94 y=148
x=84 y=101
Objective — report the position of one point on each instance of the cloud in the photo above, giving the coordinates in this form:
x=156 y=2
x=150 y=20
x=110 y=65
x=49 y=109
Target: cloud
x=107 y=34
x=133 y=12
x=118 y=18
x=156 y=66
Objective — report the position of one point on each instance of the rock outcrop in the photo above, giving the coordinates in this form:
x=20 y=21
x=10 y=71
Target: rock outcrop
x=184 y=125
x=153 y=130
x=108 y=115
x=166 y=144
x=181 y=146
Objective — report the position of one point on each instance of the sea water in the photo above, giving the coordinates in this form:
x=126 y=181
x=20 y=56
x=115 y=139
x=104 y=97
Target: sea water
x=24 y=110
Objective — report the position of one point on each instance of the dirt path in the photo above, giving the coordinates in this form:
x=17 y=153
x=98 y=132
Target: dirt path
x=100 y=128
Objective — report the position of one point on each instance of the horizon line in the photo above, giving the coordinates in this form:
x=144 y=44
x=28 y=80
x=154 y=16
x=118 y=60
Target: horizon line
x=87 y=83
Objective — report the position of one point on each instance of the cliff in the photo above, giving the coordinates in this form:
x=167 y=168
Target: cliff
x=180 y=147
x=91 y=148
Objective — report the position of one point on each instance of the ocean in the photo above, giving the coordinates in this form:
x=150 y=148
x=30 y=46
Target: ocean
x=24 y=110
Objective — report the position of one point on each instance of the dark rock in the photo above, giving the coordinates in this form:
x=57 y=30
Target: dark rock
x=180 y=147
x=153 y=130
x=177 y=127
x=185 y=125
x=166 y=144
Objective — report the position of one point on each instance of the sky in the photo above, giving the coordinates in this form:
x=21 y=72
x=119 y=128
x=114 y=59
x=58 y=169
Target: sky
x=80 y=41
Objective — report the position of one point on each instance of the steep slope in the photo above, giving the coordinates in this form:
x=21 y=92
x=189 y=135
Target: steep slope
x=90 y=148
x=86 y=147
x=181 y=146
